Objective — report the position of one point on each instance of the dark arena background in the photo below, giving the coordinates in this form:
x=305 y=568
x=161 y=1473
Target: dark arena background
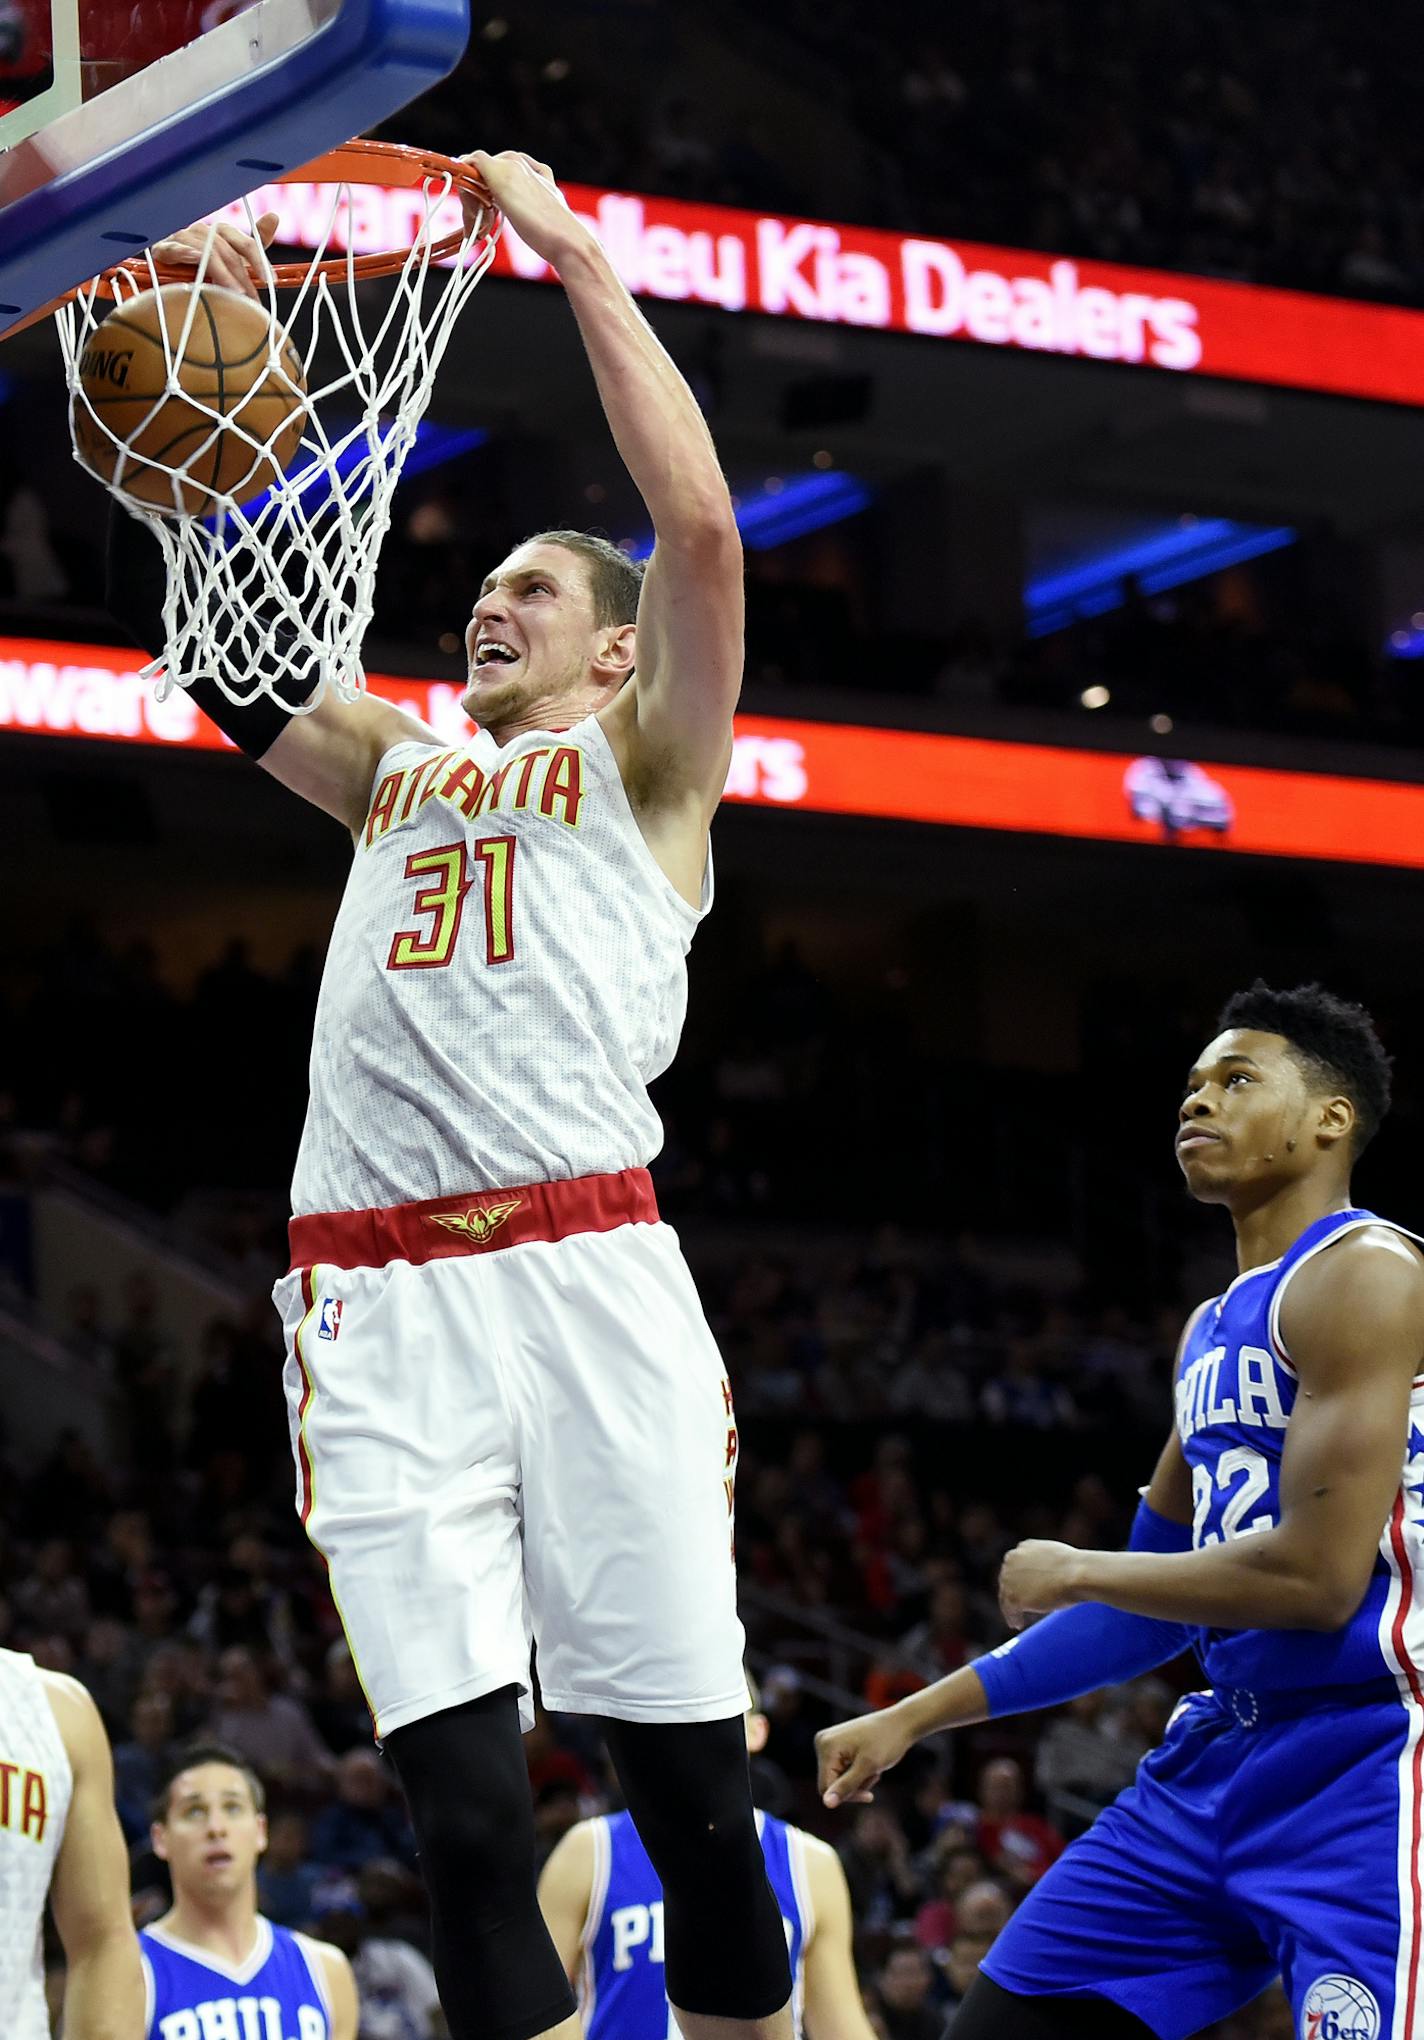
x=1066 y=362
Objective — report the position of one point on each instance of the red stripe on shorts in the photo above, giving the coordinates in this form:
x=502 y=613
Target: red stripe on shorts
x=481 y=1222
x=304 y=1465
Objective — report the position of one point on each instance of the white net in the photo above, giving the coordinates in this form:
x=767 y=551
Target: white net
x=271 y=593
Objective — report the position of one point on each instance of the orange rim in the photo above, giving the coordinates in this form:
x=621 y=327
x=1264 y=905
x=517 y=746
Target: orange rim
x=355 y=163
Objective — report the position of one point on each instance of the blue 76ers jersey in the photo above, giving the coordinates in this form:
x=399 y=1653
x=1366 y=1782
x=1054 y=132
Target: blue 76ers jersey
x=278 y=1993
x=1235 y=1390
x=622 y=1995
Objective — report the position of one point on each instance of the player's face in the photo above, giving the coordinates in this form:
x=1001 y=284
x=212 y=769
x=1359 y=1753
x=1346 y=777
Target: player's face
x=213 y=1835
x=532 y=639
x=1248 y=1118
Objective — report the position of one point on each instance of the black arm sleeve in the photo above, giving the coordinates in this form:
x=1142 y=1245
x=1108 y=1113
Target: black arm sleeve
x=134 y=590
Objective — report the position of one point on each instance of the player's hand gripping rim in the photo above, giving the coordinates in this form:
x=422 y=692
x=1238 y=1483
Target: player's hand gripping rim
x=235 y=260
x=853 y=1756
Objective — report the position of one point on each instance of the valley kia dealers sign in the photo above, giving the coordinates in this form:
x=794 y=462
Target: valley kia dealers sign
x=70 y=690
x=941 y=290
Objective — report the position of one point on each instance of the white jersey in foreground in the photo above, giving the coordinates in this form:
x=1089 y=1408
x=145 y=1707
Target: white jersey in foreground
x=506 y=976
x=36 y=1784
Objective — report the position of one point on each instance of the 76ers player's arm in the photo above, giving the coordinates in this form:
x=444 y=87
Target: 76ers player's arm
x=671 y=731
x=1353 y=1322
x=103 y=1992
x=831 y=2000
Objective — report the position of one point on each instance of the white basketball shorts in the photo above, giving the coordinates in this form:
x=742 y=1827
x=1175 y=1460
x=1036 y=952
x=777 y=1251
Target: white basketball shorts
x=511 y=1423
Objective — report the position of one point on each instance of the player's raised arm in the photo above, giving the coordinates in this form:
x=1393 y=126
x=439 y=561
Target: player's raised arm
x=103 y=1994
x=1353 y=1321
x=690 y=618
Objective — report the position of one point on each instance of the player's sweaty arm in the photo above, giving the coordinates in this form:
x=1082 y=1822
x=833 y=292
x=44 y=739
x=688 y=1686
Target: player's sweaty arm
x=832 y=2003
x=675 y=721
x=103 y=1993
x=340 y=1991
x=565 y=1888
x=1353 y=1321
x=330 y=755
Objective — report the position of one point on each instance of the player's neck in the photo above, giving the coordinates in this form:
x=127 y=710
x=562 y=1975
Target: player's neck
x=1265 y=1231
x=225 y=1927
x=552 y=716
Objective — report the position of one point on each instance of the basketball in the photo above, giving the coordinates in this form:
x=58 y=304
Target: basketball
x=177 y=412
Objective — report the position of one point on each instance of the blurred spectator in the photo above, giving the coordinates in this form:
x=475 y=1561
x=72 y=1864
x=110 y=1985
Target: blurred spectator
x=903 y=1994
x=273 y=1731
x=367 y=1820
x=141 y=1762
x=396 y=1984
x=1080 y=1764
x=339 y=1708
x=287 y=1879
x=1021 y=1845
x=876 y=1860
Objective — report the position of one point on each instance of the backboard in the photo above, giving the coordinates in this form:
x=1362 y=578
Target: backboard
x=123 y=120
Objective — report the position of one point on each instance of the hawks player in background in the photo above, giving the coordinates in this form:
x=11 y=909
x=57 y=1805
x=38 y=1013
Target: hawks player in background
x=60 y=1839
x=505 y=1400
x=212 y=1964
x=1278 y=1827
x=601 y=1897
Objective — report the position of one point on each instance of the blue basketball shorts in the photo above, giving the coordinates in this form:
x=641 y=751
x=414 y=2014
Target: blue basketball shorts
x=1289 y=1846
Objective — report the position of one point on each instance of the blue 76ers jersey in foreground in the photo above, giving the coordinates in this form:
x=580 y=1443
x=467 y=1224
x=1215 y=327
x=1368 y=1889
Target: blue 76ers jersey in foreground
x=622 y=1995
x=1235 y=1391
x=278 y=1993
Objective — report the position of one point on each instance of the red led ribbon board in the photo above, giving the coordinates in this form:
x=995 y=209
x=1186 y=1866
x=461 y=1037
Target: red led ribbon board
x=942 y=290
x=72 y=690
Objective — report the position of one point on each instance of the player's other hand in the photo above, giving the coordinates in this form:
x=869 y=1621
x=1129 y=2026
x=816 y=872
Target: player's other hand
x=852 y=1755
x=525 y=192
x=1037 y=1577
x=238 y=261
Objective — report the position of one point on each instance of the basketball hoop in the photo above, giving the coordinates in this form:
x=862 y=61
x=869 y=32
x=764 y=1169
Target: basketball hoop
x=274 y=595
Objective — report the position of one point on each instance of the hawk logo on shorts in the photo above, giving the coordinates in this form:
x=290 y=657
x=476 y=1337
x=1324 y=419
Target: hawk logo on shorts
x=328 y=1324
x=479 y=1222
x=1339 y=2008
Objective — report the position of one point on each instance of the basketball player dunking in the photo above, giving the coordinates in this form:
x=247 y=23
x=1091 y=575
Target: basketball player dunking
x=507 y=1410
x=1278 y=1827
x=213 y=1965
x=60 y=1839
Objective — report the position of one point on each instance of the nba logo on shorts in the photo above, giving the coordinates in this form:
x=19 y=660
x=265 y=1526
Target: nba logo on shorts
x=329 y=1322
x=1339 y=2008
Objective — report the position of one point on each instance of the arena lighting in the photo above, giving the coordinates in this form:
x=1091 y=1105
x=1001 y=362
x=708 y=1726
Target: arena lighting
x=434 y=445
x=1170 y=558
x=798 y=505
x=54 y=689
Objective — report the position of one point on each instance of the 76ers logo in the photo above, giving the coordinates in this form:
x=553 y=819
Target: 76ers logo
x=1339 y=2008
x=329 y=1321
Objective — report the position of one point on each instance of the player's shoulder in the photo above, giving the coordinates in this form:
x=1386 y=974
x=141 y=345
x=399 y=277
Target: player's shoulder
x=1376 y=1259
x=576 y=1849
x=76 y=1715
x=323 y=1954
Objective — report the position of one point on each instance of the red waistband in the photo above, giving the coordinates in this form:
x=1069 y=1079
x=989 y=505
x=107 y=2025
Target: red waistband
x=477 y=1223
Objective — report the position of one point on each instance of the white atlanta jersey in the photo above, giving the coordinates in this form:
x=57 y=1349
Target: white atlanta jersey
x=35 y=1787
x=506 y=975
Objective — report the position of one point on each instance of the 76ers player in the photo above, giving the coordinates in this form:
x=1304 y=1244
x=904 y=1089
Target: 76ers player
x=213 y=1965
x=507 y=1410
x=60 y=1839
x=1280 y=1826
x=604 y=1905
